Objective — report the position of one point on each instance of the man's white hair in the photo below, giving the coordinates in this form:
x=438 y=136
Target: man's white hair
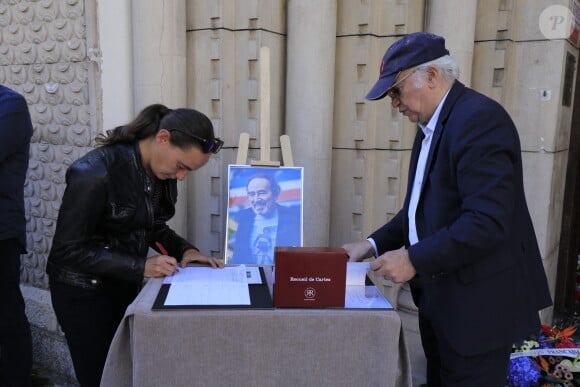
x=447 y=66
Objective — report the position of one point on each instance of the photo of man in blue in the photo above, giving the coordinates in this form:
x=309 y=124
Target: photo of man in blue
x=256 y=230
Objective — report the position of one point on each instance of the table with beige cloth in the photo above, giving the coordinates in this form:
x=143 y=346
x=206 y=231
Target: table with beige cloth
x=255 y=347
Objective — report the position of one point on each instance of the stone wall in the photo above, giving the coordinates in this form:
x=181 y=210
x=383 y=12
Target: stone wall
x=516 y=64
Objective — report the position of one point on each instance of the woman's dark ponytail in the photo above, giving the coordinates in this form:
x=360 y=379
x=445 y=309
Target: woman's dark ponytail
x=144 y=125
x=188 y=127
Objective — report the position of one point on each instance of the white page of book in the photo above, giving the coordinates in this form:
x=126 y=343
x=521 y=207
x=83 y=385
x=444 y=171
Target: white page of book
x=208 y=286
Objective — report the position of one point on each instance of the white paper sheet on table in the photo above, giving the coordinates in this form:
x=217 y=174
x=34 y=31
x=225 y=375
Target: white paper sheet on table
x=253 y=275
x=357 y=294
x=208 y=286
x=356 y=272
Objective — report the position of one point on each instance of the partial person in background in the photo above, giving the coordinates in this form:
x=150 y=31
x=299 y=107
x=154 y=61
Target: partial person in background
x=117 y=201
x=265 y=224
x=464 y=237
x=15 y=337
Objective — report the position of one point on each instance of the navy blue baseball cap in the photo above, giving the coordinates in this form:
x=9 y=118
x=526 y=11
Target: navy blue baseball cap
x=409 y=51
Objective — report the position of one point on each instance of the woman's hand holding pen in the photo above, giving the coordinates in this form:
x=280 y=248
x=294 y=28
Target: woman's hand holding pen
x=193 y=255
x=160 y=266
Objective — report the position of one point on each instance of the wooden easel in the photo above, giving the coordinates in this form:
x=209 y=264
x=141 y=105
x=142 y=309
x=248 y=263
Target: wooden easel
x=264 y=124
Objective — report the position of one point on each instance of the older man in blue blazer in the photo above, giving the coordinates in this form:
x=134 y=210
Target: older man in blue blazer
x=464 y=237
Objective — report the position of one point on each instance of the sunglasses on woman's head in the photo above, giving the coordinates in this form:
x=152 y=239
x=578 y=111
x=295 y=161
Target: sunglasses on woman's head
x=207 y=146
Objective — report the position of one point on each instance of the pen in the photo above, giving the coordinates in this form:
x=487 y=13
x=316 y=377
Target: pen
x=163 y=251
x=161 y=248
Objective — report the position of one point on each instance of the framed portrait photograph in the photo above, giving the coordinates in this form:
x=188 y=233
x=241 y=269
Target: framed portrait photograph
x=264 y=211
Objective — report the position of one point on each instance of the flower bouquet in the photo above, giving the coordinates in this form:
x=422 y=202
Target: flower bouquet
x=550 y=359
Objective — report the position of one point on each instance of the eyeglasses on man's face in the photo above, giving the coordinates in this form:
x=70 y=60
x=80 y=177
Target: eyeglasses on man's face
x=395 y=90
x=207 y=146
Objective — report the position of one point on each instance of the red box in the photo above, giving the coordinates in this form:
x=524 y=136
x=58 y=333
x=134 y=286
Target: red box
x=309 y=277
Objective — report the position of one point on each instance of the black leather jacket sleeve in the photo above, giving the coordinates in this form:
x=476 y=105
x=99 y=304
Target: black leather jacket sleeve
x=79 y=243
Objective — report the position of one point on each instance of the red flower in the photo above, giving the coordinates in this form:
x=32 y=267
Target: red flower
x=548 y=330
x=565 y=343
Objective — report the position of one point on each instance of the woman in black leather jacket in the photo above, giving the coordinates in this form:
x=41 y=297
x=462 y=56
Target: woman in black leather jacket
x=117 y=201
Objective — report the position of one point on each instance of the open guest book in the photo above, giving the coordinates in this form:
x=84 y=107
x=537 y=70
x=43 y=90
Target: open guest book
x=241 y=287
x=232 y=287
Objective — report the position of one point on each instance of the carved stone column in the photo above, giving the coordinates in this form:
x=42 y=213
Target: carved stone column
x=454 y=20
x=115 y=59
x=309 y=106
